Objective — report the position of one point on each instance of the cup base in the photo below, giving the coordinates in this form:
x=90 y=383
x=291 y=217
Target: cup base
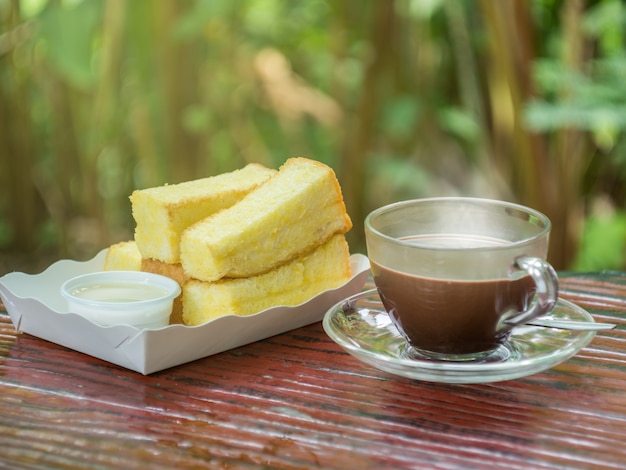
x=500 y=354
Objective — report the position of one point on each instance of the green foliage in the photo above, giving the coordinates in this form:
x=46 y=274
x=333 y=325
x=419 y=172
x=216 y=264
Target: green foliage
x=68 y=35
x=593 y=102
x=603 y=244
x=460 y=123
x=5 y=232
x=404 y=178
x=592 y=99
x=606 y=22
x=401 y=116
x=403 y=98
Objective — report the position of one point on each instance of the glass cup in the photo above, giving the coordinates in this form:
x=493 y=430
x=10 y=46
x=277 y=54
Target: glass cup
x=456 y=275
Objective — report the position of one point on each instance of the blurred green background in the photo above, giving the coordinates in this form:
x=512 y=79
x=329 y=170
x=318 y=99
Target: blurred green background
x=512 y=99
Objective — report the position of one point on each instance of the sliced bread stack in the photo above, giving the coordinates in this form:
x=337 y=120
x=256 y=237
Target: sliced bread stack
x=276 y=238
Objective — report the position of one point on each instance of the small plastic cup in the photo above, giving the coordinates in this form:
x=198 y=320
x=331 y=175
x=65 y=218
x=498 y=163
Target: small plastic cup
x=136 y=298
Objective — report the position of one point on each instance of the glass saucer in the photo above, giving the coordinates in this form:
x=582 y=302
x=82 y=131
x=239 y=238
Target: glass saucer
x=361 y=326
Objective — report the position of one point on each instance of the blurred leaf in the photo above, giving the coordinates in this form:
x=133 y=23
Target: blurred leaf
x=606 y=21
x=424 y=8
x=402 y=175
x=603 y=244
x=69 y=37
x=606 y=132
x=48 y=234
x=551 y=76
x=459 y=123
x=30 y=8
x=545 y=116
x=6 y=232
x=400 y=116
x=196 y=119
x=195 y=19
x=595 y=103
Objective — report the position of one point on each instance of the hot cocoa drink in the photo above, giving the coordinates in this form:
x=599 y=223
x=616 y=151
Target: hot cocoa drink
x=451 y=316
x=458 y=274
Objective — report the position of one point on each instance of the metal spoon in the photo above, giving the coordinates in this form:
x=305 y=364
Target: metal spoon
x=571 y=324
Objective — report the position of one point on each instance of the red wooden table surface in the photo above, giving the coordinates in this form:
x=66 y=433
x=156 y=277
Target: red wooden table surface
x=298 y=401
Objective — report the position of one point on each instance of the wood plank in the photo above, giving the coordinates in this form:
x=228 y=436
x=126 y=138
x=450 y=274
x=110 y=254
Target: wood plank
x=298 y=401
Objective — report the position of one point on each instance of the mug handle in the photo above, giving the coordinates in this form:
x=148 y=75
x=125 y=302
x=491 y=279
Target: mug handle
x=546 y=281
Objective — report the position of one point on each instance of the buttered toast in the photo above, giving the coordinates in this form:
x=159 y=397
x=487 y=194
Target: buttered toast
x=123 y=256
x=326 y=267
x=296 y=210
x=270 y=238
x=162 y=213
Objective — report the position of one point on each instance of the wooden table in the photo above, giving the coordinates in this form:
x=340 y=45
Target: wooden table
x=298 y=401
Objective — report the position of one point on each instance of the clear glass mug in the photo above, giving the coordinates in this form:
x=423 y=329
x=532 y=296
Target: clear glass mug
x=456 y=275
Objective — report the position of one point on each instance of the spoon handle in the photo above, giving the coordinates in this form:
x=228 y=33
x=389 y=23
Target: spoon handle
x=571 y=325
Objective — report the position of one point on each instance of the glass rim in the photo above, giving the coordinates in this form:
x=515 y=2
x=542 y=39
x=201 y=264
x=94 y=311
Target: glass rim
x=532 y=213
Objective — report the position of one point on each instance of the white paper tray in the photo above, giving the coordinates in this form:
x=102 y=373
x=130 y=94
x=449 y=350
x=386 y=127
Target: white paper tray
x=35 y=306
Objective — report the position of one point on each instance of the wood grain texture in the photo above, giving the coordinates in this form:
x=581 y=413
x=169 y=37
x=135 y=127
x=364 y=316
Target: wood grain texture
x=298 y=401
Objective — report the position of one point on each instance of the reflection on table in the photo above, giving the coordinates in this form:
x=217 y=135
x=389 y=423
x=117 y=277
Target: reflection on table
x=297 y=400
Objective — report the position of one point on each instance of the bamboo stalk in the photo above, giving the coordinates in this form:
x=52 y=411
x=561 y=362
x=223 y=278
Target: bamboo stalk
x=356 y=155
x=572 y=152
x=104 y=118
x=537 y=181
x=145 y=131
x=19 y=148
x=178 y=72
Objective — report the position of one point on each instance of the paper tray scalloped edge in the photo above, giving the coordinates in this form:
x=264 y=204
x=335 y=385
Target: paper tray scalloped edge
x=36 y=307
